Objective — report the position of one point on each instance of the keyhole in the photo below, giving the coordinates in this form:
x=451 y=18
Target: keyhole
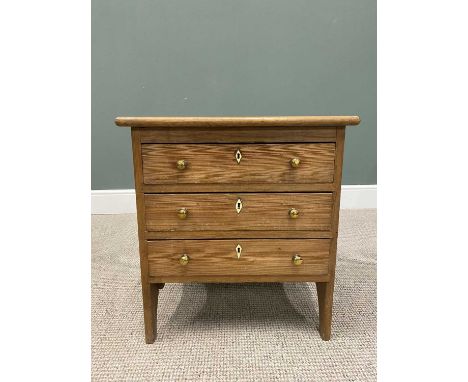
x=238 y=205
x=238 y=251
x=238 y=156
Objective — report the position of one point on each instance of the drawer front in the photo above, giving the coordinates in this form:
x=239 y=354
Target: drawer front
x=220 y=257
x=237 y=164
x=237 y=212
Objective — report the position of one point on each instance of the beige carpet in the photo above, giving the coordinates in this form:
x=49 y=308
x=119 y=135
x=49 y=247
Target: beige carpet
x=232 y=332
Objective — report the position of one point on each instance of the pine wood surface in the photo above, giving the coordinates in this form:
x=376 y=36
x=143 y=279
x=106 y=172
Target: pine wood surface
x=209 y=187
x=240 y=279
x=247 y=234
x=218 y=257
x=259 y=163
x=260 y=211
x=235 y=122
x=245 y=134
x=149 y=291
x=241 y=187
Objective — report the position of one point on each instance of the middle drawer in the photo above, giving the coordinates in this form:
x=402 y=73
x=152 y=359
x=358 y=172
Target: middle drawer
x=237 y=212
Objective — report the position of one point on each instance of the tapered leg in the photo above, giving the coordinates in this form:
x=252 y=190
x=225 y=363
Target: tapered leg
x=325 y=299
x=150 y=308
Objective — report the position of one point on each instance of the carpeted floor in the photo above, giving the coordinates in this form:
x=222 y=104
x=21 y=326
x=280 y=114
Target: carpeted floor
x=232 y=332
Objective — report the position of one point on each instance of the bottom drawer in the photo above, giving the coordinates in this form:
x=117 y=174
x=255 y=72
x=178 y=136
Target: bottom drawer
x=251 y=257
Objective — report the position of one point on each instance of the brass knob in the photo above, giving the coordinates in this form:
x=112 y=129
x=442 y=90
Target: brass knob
x=182 y=213
x=184 y=259
x=181 y=164
x=297 y=260
x=295 y=162
x=293 y=213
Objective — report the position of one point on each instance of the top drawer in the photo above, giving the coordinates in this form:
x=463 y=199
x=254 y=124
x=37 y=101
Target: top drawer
x=238 y=164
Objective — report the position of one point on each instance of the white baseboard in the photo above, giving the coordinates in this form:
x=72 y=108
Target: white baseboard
x=123 y=201
x=113 y=201
x=359 y=196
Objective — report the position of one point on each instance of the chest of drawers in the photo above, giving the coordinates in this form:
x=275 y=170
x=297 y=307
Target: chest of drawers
x=237 y=199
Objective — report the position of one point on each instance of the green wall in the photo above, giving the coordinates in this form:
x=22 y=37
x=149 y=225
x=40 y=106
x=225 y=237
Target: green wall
x=238 y=57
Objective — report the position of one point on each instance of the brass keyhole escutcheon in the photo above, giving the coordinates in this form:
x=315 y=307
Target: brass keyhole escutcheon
x=238 y=156
x=239 y=205
x=238 y=251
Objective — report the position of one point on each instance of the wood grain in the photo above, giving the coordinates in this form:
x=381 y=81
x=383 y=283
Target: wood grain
x=337 y=179
x=217 y=212
x=149 y=291
x=240 y=279
x=218 y=257
x=242 y=187
x=325 y=289
x=235 y=122
x=211 y=185
x=260 y=163
x=257 y=234
x=203 y=134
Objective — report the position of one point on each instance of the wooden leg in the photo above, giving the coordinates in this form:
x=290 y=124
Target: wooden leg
x=150 y=308
x=325 y=299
